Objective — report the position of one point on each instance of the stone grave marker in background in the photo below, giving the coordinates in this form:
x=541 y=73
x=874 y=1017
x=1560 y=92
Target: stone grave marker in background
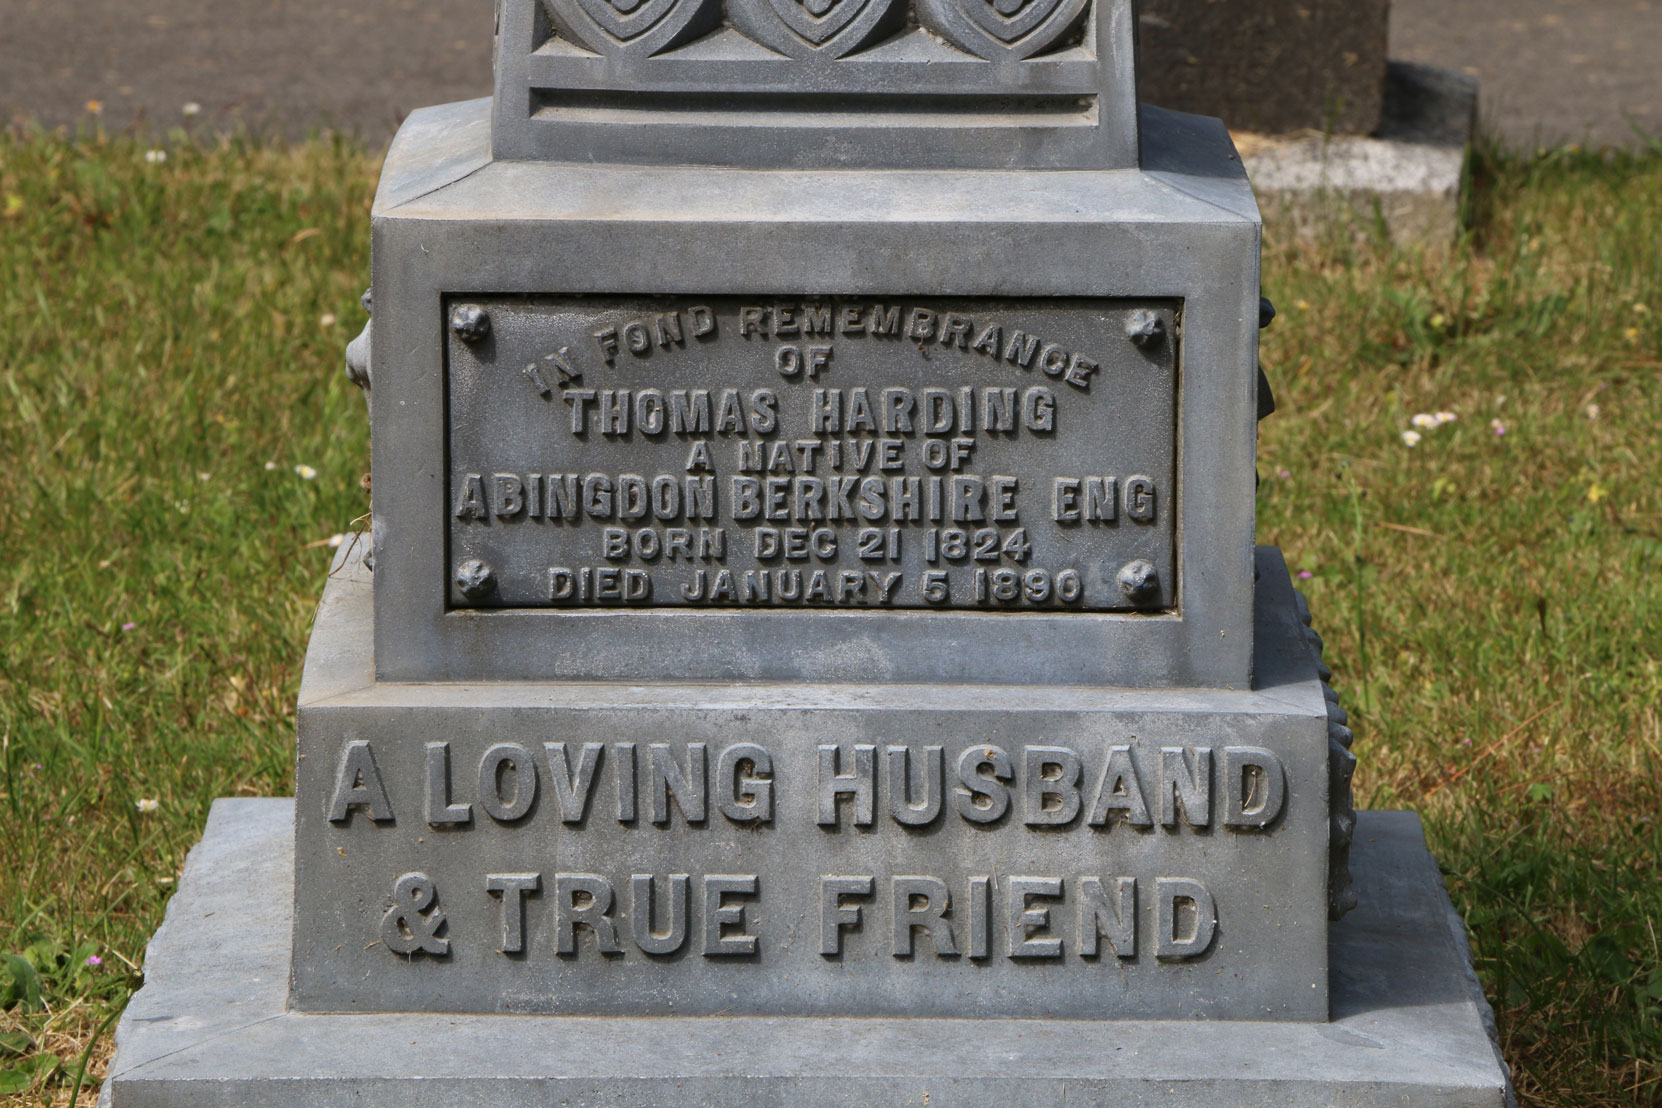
x=812 y=647
x=1269 y=66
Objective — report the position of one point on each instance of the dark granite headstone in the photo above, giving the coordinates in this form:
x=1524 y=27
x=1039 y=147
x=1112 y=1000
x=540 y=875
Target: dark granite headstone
x=1272 y=66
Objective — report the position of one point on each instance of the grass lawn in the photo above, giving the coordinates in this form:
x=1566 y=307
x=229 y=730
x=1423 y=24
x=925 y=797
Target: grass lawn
x=178 y=444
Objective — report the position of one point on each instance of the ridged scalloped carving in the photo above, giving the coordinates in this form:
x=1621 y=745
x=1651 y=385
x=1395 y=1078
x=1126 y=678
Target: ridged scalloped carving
x=641 y=27
x=824 y=28
x=995 y=29
x=990 y=29
x=1341 y=767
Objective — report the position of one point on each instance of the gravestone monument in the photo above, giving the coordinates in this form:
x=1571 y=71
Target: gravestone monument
x=1269 y=66
x=811 y=647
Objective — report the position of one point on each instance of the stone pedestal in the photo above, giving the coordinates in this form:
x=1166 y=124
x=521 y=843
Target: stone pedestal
x=212 y=1028
x=812 y=649
x=1079 y=853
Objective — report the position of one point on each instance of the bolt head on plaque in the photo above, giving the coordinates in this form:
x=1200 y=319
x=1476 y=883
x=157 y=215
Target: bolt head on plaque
x=470 y=322
x=475 y=578
x=1145 y=328
x=1139 y=581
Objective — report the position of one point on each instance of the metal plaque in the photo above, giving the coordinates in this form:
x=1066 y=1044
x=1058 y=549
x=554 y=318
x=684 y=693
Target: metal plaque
x=778 y=452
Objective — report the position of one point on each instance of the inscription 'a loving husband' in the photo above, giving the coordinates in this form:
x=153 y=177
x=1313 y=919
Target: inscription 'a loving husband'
x=855 y=784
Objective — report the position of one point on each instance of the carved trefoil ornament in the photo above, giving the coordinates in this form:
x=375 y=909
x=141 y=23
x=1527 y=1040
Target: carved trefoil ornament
x=637 y=27
x=1000 y=29
x=817 y=28
x=941 y=84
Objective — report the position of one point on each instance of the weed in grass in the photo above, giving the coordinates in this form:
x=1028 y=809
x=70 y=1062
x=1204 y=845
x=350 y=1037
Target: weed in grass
x=167 y=360
x=1491 y=595
x=170 y=337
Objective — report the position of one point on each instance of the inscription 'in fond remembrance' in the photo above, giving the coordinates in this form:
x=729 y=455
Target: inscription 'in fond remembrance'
x=976 y=454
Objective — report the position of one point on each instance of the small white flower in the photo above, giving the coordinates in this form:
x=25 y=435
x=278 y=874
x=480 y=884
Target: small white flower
x=306 y=472
x=1593 y=411
x=148 y=805
x=1425 y=421
x=155 y=156
x=191 y=109
x=1411 y=438
x=327 y=319
x=270 y=467
x=335 y=541
x=1446 y=417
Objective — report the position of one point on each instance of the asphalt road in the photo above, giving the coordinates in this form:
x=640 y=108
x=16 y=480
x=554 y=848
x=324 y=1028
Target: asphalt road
x=1551 y=70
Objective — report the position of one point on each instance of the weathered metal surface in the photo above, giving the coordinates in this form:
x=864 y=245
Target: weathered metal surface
x=212 y=1026
x=775 y=452
x=455 y=230
x=812 y=849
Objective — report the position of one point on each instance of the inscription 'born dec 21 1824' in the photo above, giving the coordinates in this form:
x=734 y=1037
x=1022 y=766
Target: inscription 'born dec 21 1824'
x=812 y=452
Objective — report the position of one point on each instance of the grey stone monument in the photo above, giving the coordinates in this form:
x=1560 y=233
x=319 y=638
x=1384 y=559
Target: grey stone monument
x=812 y=648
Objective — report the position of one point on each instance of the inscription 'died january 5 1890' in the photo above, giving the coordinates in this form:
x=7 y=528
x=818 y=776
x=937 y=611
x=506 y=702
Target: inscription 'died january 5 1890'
x=821 y=452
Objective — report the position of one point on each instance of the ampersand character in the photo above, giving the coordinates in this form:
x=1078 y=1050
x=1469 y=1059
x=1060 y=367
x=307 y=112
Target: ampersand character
x=408 y=927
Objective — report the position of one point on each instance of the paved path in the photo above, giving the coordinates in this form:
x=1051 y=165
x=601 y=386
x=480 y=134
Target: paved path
x=1551 y=70
x=293 y=64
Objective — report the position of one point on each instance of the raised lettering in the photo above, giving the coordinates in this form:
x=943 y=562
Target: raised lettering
x=922 y=902
x=1187 y=919
x=859 y=782
x=583 y=900
x=646 y=905
x=1051 y=780
x=358 y=785
x=1029 y=921
x=502 y=763
x=834 y=914
x=719 y=915
x=512 y=889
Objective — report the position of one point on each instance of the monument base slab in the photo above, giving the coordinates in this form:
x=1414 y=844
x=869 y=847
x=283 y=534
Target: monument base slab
x=212 y=1025
x=1408 y=176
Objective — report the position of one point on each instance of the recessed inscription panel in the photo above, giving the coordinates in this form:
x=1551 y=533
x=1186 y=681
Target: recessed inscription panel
x=790 y=452
x=819 y=862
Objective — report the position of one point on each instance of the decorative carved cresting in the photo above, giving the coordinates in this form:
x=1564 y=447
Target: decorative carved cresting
x=1341 y=889
x=828 y=28
x=636 y=27
x=1003 y=28
x=988 y=29
x=805 y=84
